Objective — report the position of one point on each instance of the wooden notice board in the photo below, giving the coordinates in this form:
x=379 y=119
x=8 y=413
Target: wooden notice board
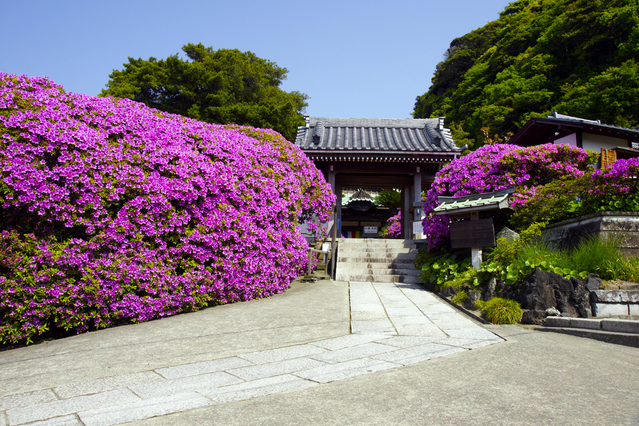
x=608 y=157
x=472 y=233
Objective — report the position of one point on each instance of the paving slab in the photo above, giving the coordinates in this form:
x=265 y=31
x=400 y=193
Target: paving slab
x=59 y=408
x=354 y=352
x=203 y=367
x=348 y=341
x=304 y=313
x=373 y=327
x=242 y=352
x=68 y=420
x=279 y=368
x=257 y=388
x=407 y=341
x=344 y=370
x=143 y=409
x=27 y=399
x=185 y=385
x=107 y=384
x=360 y=315
x=281 y=354
x=531 y=378
x=416 y=354
x=424 y=330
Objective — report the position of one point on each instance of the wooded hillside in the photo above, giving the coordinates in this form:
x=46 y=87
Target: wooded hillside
x=576 y=57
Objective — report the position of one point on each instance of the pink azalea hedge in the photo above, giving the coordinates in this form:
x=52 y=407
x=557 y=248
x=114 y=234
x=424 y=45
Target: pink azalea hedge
x=497 y=167
x=113 y=212
x=393 y=228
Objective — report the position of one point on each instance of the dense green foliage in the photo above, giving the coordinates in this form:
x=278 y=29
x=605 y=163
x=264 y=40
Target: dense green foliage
x=441 y=268
x=391 y=198
x=223 y=87
x=502 y=311
x=512 y=261
x=577 y=57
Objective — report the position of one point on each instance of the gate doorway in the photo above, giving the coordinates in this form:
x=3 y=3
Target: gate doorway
x=373 y=154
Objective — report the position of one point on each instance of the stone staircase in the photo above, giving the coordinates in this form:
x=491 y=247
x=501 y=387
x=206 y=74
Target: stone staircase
x=376 y=260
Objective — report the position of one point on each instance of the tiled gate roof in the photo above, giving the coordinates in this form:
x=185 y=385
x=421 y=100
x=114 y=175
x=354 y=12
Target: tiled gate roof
x=375 y=136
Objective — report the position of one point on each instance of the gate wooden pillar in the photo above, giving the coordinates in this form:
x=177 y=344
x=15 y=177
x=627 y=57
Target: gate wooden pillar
x=406 y=222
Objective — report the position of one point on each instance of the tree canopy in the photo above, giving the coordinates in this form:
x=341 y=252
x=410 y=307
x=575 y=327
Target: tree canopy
x=222 y=86
x=576 y=57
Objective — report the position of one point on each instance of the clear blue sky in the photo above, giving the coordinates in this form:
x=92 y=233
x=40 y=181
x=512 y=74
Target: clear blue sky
x=353 y=58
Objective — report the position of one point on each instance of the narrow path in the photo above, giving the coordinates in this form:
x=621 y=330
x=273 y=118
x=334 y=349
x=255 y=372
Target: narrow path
x=393 y=325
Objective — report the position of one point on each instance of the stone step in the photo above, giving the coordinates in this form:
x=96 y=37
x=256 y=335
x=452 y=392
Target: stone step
x=376 y=255
x=384 y=259
x=391 y=271
x=380 y=265
x=380 y=278
x=351 y=250
x=375 y=243
x=376 y=260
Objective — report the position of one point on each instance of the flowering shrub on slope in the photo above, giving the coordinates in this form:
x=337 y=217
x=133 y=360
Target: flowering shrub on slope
x=613 y=188
x=497 y=167
x=393 y=229
x=114 y=212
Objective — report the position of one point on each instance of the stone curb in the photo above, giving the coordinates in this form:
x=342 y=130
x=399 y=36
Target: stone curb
x=461 y=308
x=626 y=339
x=613 y=325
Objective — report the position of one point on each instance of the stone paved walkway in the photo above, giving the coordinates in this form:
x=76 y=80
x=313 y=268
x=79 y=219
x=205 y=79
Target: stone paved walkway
x=392 y=325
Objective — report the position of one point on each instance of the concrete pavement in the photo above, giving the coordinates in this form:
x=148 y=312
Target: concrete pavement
x=325 y=353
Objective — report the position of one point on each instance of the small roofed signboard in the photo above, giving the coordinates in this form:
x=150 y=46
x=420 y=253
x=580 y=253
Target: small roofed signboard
x=472 y=233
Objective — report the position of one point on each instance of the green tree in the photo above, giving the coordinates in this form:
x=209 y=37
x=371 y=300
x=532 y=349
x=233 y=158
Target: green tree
x=576 y=57
x=222 y=86
x=389 y=198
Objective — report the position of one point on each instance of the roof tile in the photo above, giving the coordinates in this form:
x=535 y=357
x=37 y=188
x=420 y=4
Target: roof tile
x=375 y=134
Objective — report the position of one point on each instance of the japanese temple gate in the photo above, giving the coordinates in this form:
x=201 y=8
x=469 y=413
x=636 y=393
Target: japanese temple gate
x=380 y=153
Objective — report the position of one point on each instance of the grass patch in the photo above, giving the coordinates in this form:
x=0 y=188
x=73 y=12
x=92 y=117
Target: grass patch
x=479 y=304
x=502 y=311
x=601 y=256
x=460 y=298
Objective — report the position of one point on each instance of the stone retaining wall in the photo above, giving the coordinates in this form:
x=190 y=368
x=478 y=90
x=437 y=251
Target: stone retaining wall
x=614 y=303
x=568 y=233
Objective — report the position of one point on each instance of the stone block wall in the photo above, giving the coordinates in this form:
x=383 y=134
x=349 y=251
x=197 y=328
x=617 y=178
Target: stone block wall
x=568 y=233
x=614 y=303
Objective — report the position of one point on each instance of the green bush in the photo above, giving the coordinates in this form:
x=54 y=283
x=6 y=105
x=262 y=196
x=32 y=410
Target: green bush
x=506 y=261
x=460 y=298
x=502 y=311
x=440 y=267
x=479 y=304
x=469 y=277
x=556 y=201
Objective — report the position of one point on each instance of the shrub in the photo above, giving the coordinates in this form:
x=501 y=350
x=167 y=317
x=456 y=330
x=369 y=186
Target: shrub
x=479 y=304
x=393 y=228
x=467 y=277
x=502 y=311
x=460 y=298
x=113 y=212
x=613 y=188
x=496 y=167
x=439 y=268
